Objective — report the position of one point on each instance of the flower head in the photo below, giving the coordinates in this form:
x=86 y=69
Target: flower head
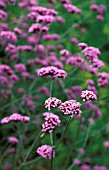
x=46 y=151
x=52 y=102
x=71 y=107
x=88 y=95
x=51 y=71
x=51 y=121
x=13 y=140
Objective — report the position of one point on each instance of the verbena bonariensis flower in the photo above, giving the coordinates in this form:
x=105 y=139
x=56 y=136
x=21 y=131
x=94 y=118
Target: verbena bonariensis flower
x=51 y=71
x=38 y=27
x=51 y=121
x=7 y=166
x=71 y=107
x=8 y=36
x=97 y=167
x=2 y=5
x=82 y=45
x=103 y=79
x=46 y=151
x=65 y=53
x=10 y=48
x=20 y=67
x=77 y=161
x=52 y=102
x=88 y=95
x=3 y=15
x=11 y=150
x=13 y=140
x=85 y=167
x=91 y=53
x=98 y=63
x=12 y=1
x=72 y=8
x=15 y=117
x=47 y=19
x=106 y=144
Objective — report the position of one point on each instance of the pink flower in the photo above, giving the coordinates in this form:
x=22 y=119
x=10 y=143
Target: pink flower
x=103 y=79
x=13 y=140
x=8 y=36
x=91 y=53
x=82 y=45
x=85 y=167
x=52 y=102
x=11 y=150
x=106 y=144
x=15 y=117
x=51 y=71
x=51 y=121
x=5 y=120
x=46 y=151
x=77 y=161
x=71 y=107
x=81 y=151
x=88 y=95
x=20 y=67
x=7 y=166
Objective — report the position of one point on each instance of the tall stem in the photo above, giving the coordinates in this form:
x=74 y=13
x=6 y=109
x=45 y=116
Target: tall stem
x=51 y=138
x=64 y=131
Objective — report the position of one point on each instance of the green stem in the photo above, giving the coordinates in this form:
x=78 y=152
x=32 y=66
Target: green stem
x=63 y=132
x=51 y=138
x=32 y=146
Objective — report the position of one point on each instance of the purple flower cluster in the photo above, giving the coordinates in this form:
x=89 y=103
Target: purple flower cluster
x=3 y=15
x=103 y=79
x=42 y=14
x=15 y=117
x=46 y=151
x=38 y=27
x=8 y=36
x=77 y=60
x=97 y=167
x=52 y=102
x=91 y=53
x=51 y=121
x=88 y=95
x=71 y=107
x=72 y=8
x=106 y=144
x=100 y=9
x=51 y=71
x=7 y=76
x=13 y=140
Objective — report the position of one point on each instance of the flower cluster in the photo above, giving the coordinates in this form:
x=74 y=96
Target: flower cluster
x=100 y=9
x=88 y=95
x=91 y=53
x=38 y=27
x=51 y=121
x=13 y=140
x=51 y=71
x=103 y=79
x=52 y=102
x=46 y=151
x=15 y=117
x=71 y=107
